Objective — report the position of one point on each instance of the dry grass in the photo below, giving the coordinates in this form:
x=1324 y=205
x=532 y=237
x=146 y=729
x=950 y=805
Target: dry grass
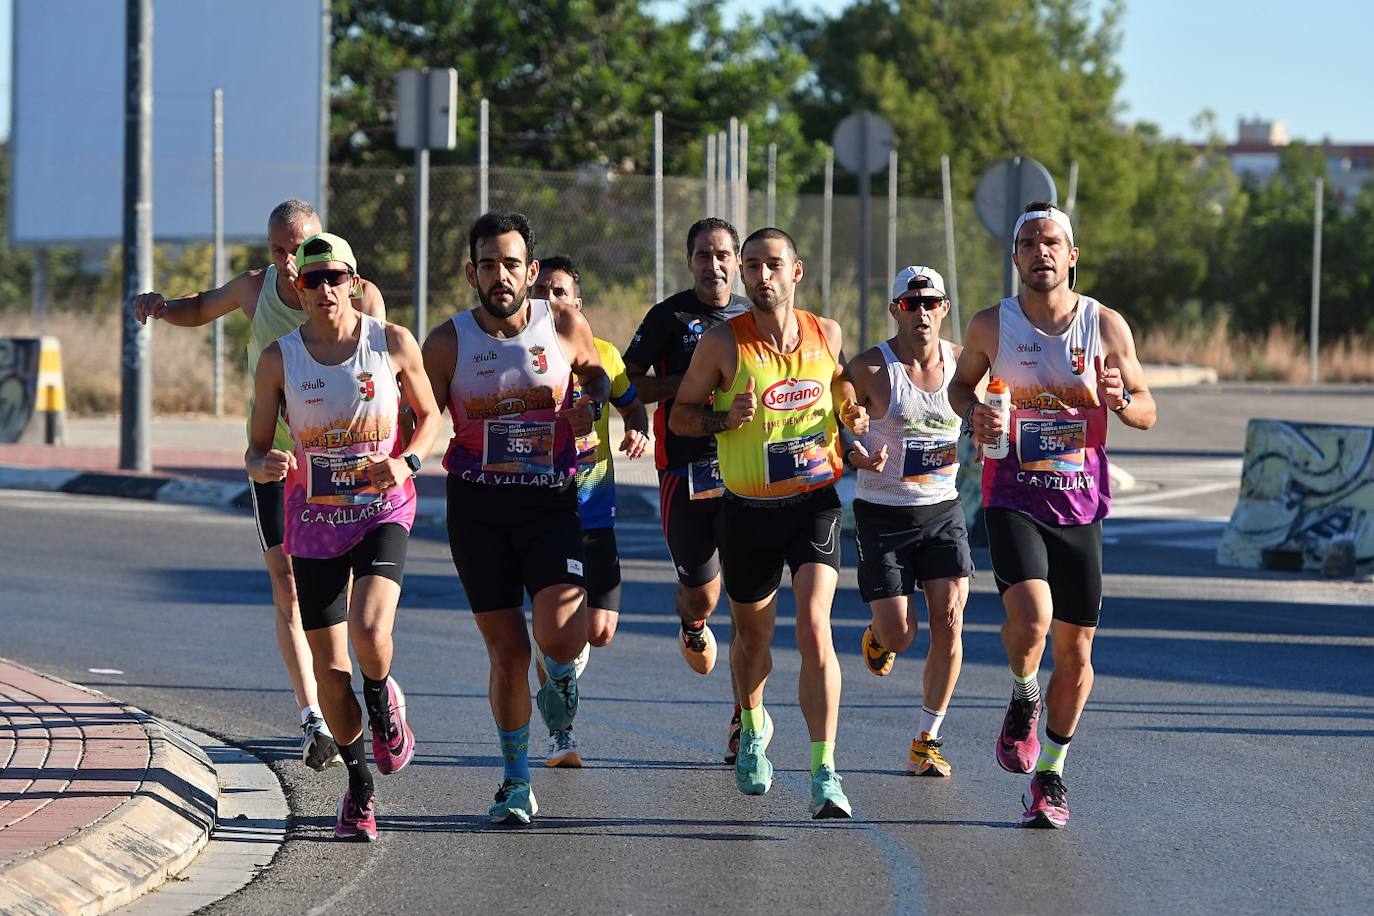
x=183 y=379
x=1277 y=355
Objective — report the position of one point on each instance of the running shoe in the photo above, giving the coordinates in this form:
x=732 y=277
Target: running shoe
x=827 y=798
x=753 y=772
x=1018 y=747
x=563 y=750
x=925 y=758
x=318 y=749
x=878 y=659
x=732 y=742
x=698 y=648
x=356 y=823
x=1049 y=802
x=514 y=803
x=393 y=743
x=557 y=702
x=579 y=663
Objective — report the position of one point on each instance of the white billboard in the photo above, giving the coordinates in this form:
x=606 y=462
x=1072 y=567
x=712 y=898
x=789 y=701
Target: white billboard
x=67 y=140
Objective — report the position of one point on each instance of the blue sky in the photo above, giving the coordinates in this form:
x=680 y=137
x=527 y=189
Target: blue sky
x=1179 y=57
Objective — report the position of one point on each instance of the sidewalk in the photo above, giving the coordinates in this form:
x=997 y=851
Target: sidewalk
x=99 y=802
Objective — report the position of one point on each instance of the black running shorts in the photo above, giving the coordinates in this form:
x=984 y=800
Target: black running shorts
x=322 y=584
x=603 y=568
x=510 y=540
x=691 y=528
x=902 y=546
x=269 y=511
x=759 y=536
x=1068 y=557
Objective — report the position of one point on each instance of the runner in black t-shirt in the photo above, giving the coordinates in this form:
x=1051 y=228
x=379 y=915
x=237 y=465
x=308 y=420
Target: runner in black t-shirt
x=689 y=479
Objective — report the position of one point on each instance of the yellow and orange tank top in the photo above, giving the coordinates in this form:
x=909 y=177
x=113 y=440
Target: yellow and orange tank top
x=790 y=445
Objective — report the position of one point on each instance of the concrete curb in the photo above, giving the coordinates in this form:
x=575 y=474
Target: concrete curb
x=156 y=833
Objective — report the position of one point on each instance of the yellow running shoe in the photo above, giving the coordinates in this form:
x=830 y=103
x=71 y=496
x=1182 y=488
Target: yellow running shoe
x=925 y=758
x=878 y=659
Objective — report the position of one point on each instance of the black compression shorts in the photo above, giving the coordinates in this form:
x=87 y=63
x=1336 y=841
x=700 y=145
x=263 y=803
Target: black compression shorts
x=322 y=584
x=509 y=540
x=269 y=512
x=1068 y=557
x=692 y=529
x=603 y=568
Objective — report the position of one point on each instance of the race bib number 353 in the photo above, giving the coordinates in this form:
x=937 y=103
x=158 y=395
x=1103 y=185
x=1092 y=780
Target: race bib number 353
x=339 y=480
x=518 y=447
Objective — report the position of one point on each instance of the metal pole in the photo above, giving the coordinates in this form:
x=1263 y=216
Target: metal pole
x=1071 y=203
x=742 y=195
x=40 y=289
x=865 y=230
x=422 y=220
x=658 y=206
x=732 y=174
x=722 y=156
x=217 y=255
x=772 y=205
x=827 y=218
x=710 y=202
x=952 y=274
x=891 y=229
x=322 y=201
x=1013 y=204
x=1316 y=278
x=483 y=162
x=135 y=394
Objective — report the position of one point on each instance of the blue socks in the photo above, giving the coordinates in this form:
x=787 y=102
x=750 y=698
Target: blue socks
x=558 y=670
x=515 y=752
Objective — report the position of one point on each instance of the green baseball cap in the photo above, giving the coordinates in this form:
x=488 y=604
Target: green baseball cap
x=325 y=246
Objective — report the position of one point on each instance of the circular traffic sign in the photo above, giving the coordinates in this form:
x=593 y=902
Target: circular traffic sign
x=862 y=142
x=1006 y=188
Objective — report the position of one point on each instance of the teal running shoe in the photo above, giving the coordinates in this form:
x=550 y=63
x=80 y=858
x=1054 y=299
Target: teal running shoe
x=557 y=702
x=827 y=798
x=514 y=803
x=753 y=772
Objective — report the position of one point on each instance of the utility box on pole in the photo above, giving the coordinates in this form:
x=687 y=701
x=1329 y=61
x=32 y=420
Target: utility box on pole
x=426 y=119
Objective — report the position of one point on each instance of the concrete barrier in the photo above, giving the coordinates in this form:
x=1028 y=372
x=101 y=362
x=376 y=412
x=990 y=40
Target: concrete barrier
x=33 y=401
x=1306 y=494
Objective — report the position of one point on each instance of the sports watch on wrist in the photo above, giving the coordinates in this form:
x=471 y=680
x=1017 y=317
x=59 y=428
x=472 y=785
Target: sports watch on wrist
x=1125 y=402
x=412 y=461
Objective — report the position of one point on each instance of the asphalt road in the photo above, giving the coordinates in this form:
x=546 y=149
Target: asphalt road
x=1220 y=765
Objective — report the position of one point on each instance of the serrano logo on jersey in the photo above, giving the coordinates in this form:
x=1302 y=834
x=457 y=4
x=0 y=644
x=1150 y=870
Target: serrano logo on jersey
x=792 y=394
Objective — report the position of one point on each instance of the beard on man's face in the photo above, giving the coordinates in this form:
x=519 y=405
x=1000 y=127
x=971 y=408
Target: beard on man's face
x=501 y=309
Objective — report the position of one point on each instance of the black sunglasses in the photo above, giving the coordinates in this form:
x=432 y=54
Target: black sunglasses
x=317 y=278
x=912 y=303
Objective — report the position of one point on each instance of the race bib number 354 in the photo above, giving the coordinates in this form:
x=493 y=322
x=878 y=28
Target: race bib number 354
x=1051 y=445
x=339 y=480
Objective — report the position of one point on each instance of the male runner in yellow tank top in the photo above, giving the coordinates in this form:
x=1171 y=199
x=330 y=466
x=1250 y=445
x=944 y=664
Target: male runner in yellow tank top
x=273 y=309
x=768 y=384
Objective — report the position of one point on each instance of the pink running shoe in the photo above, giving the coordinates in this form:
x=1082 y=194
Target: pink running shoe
x=1049 y=802
x=354 y=823
x=393 y=743
x=1018 y=747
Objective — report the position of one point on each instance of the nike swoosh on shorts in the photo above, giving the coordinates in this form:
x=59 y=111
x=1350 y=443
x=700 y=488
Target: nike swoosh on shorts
x=382 y=563
x=830 y=540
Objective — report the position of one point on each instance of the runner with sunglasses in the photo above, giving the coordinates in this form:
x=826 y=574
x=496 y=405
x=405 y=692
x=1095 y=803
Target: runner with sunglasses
x=350 y=501
x=273 y=308
x=909 y=524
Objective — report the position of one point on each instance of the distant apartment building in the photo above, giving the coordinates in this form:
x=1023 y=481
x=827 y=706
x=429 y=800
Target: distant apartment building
x=1255 y=154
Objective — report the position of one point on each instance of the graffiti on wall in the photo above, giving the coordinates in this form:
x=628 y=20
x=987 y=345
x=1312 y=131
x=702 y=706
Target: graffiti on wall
x=1303 y=487
x=19 y=358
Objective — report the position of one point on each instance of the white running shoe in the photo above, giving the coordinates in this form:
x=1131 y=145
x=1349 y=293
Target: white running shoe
x=318 y=750
x=563 y=750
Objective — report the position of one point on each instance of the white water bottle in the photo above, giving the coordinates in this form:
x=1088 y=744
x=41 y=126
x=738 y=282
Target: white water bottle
x=999 y=399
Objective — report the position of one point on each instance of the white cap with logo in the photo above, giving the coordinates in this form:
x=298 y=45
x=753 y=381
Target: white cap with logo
x=918 y=281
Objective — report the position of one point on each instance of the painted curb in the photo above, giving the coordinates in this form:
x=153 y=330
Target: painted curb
x=156 y=833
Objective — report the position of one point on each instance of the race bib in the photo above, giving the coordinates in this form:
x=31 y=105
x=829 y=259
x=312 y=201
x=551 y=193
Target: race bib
x=338 y=480
x=518 y=447
x=704 y=480
x=804 y=460
x=1051 y=445
x=928 y=460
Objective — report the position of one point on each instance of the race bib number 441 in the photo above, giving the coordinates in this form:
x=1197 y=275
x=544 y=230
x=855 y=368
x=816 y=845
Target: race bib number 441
x=1051 y=445
x=339 y=480
x=518 y=447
